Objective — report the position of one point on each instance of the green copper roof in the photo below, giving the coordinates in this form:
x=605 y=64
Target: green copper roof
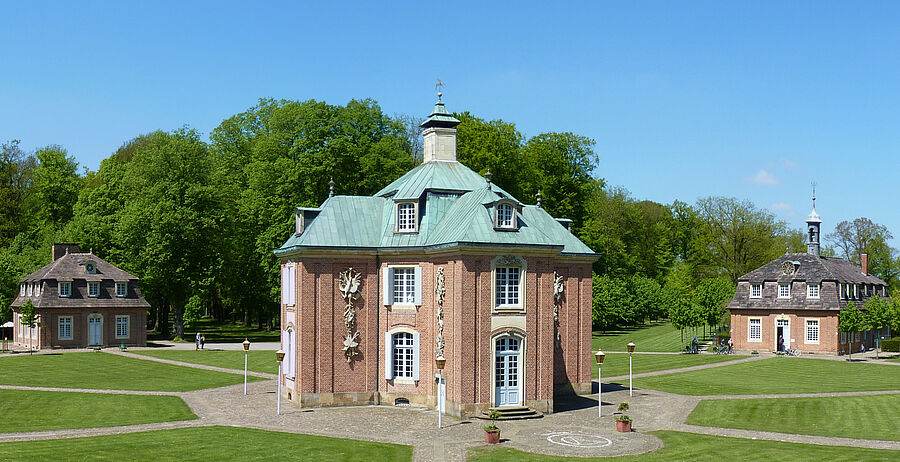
x=440 y=116
x=436 y=176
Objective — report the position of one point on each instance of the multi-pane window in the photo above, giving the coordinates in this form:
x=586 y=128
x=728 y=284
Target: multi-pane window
x=505 y=216
x=403 y=355
x=843 y=337
x=784 y=291
x=65 y=328
x=121 y=289
x=755 y=330
x=65 y=289
x=812 y=331
x=288 y=284
x=406 y=217
x=93 y=289
x=37 y=289
x=812 y=291
x=30 y=290
x=22 y=290
x=755 y=290
x=122 y=326
x=404 y=285
x=507 y=285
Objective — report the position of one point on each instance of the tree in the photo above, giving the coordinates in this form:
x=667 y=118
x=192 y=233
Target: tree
x=879 y=314
x=738 y=236
x=682 y=313
x=5 y=309
x=610 y=302
x=28 y=319
x=494 y=145
x=711 y=296
x=15 y=181
x=851 y=319
x=56 y=186
x=863 y=236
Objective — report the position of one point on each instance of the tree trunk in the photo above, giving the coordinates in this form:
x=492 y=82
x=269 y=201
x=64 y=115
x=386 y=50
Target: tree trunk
x=179 y=322
x=247 y=321
x=259 y=317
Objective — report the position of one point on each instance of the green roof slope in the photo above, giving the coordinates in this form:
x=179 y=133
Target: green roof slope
x=436 y=176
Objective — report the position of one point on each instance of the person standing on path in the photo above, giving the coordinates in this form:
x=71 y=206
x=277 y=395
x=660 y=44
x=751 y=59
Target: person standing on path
x=202 y=341
x=197 y=342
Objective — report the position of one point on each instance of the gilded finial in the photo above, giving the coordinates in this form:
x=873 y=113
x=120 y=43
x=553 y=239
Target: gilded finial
x=487 y=176
x=539 y=197
x=331 y=187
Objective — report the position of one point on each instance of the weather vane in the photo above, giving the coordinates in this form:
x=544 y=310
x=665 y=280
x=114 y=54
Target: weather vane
x=439 y=86
x=814 y=193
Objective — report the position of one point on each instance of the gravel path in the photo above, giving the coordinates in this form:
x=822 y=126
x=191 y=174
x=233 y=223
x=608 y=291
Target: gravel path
x=650 y=409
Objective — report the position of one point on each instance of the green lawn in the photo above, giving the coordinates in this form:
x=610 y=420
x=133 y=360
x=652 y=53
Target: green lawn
x=778 y=375
x=204 y=444
x=652 y=337
x=108 y=372
x=693 y=447
x=617 y=363
x=47 y=410
x=226 y=332
x=257 y=360
x=869 y=417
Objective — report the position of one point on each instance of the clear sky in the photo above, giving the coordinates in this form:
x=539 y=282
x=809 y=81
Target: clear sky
x=685 y=99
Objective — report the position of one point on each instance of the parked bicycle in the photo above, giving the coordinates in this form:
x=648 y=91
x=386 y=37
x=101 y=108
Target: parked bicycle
x=792 y=352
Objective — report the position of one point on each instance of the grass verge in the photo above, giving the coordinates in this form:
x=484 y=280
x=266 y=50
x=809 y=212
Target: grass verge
x=661 y=337
x=873 y=417
x=227 y=332
x=257 y=360
x=107 y=372
x=616 y=364
x=47 y=410
x=778 y=375
x=690 y=447
x=204 y=444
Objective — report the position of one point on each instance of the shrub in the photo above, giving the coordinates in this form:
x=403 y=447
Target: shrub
x=891 y=345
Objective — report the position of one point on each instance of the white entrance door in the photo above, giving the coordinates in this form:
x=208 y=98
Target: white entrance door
x=782 y=334
x=95 y=330
x=506 y=375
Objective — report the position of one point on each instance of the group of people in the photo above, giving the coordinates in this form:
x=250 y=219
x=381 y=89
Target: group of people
x=200 y=341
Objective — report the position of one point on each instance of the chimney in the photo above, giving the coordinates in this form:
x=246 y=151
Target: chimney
x=59 y=250
x=864 y=262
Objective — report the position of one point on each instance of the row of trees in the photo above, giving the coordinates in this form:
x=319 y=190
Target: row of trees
x=878 y=314
x=197 y=221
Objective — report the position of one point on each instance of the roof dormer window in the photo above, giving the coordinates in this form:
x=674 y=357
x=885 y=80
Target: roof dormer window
x=65 y=289
x=22 y=290
x=406 y=217
x=90 y=268
x=505 y=216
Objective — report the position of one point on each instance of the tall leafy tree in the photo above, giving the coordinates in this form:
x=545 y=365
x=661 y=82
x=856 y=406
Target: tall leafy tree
x=878 y=315
x=56 y=186
x=863 y=236
x=16 y=168
x=850 y=320
x=711 y=296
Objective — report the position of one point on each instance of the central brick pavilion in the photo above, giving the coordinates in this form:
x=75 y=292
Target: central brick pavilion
x=438 y=264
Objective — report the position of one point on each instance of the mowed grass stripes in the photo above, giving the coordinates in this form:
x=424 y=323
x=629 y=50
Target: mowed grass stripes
x=616 y=364
x=778 y=375
x=27 y=410
x=875 y=417
x=107 y=372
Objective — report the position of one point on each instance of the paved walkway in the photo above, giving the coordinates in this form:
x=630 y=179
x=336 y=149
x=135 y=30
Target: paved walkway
x=579 y=424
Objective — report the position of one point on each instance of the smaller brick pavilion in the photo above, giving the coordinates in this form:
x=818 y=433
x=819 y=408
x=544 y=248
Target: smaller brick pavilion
x=794 y=301
x=81 y=301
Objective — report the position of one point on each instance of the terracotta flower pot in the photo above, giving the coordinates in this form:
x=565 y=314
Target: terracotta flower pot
x=492 y=436
x=623 y=426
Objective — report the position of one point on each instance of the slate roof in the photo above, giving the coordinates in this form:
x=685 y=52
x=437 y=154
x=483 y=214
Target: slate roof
x=455 y=208
x=811 y=268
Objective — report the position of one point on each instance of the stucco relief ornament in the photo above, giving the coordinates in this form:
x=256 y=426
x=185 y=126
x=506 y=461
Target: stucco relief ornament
x=558 y=288
x=349 y=287
x=439 y=292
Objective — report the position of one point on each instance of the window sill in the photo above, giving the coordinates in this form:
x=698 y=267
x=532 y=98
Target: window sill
x=403 y=307
x=509 y=309
x=754 y=341
x=411 y=231
x=404 y=381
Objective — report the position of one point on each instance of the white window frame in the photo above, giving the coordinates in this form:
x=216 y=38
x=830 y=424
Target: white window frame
x=388 y=281
x=90 y=286
x=65 y=327
x=390 y=350
x=781 y=294
x=22 y=290
x=29 y=290
x=127 y=319
x=812 y=291
x=65 y=288
x=812 y=326
x=407 y=224
x=758 y=288
x=289 y=346
x=750 y=323
x=504 y=295
x=288 y=284
x=124 y=289
x=505 y=216
x=37 y=289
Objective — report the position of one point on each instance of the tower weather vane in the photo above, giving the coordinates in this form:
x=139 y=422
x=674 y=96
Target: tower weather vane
x=439 y=86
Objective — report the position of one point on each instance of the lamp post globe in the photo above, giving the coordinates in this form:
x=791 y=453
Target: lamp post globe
x=246 y=344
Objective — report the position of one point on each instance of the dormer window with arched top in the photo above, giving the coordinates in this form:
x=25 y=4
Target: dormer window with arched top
x=505 y=216
x=407 y=217
x=90 y=267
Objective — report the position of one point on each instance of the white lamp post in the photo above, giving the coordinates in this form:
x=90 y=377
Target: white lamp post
x=279 y=355
x=599 y=356
x=440 y=361
x=630 y=375
x=246 y=345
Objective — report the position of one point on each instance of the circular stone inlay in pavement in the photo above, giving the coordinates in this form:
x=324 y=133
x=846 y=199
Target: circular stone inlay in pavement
x=577 y=439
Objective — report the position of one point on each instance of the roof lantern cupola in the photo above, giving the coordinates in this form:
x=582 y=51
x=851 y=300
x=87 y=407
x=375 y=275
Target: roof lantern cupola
x=813 y=227
x=439 y=132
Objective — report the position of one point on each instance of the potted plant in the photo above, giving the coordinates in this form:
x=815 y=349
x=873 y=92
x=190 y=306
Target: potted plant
x=492 y=432
x=623 y=422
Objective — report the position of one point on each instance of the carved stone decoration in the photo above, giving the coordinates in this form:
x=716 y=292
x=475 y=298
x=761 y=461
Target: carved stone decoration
x=439 y=292
x=349 y=287
x=558 y=293
x=510 y=260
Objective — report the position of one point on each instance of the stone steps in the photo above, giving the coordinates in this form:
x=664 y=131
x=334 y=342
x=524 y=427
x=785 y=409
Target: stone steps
x=512 y=413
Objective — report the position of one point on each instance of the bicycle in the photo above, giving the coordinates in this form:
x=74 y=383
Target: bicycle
x=794 y=352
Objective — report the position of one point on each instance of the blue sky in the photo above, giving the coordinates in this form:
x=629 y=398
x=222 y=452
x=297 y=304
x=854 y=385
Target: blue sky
x=685 y=99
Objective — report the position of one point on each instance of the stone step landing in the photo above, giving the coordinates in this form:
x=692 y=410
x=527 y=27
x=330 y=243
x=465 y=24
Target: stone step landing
x=512 y=413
